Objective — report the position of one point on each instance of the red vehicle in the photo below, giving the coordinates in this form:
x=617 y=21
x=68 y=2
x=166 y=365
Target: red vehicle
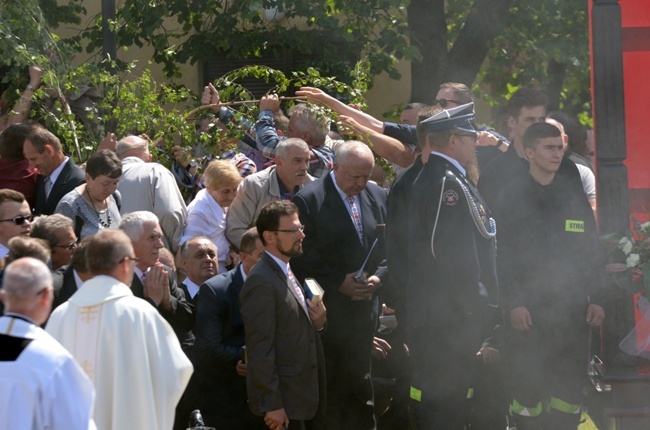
x=620 y=52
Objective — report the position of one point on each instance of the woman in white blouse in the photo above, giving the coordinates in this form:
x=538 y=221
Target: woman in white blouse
x=207 y=212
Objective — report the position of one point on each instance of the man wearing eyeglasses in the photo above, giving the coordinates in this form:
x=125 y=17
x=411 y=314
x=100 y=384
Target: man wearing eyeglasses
x=57 y=230
x=401 y=146
x=15 y=218
x=122 y=343
x=153 y=281
x=285 y=369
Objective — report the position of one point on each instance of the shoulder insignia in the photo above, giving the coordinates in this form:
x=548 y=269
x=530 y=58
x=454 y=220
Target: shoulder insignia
x=450 y=198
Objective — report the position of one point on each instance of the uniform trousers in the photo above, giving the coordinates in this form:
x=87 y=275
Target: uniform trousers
x=443 y=359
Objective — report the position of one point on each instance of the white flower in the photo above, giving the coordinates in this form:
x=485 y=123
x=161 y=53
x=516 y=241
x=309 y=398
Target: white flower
x=632 y=260
x=645 y=227
x=626 y=245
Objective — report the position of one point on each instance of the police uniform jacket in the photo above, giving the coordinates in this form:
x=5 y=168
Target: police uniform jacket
x=451 y=269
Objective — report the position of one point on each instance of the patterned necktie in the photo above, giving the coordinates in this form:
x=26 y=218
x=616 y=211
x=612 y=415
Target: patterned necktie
x=297 y=289
x=356 y=217
x=48 y=187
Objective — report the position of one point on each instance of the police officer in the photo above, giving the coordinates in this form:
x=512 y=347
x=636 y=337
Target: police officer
x=452 y=275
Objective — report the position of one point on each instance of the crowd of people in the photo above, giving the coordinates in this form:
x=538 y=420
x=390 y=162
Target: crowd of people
x=199 y=286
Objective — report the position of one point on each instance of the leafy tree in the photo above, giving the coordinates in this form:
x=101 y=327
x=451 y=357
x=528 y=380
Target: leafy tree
x=503 y=43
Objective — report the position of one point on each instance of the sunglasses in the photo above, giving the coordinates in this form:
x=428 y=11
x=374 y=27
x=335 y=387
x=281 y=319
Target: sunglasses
x=445 y=102
x=18 y=220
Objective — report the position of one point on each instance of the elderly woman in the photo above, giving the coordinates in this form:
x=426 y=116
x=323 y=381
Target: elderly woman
x=95 y=205
x=207 y=212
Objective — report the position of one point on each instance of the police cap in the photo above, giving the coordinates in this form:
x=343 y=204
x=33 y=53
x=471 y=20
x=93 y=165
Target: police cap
x=460 y=118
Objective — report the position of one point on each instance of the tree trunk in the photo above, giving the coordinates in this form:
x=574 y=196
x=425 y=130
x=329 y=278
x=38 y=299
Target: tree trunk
x=427 y=21
x=556 y=72
x=484 y=21
x=461 y=64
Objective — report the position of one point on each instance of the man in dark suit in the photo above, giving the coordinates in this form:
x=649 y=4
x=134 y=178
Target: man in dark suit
x=154 y=282
x=218 y=385
x=343 y=215
x=199 y=261
x=68 y=279
x=58 y=175
x=284 y=357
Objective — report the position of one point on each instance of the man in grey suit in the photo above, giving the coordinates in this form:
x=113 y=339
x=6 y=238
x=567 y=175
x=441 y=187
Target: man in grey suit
x=285 y=374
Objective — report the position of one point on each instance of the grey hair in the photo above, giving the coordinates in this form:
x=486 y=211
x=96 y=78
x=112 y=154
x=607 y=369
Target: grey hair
x=45 y=227
x=131 y=142
x=25 y=277
x=186 y=245
x=284 y=146
x=307 y=119
x=133 y=224
x=352 y=147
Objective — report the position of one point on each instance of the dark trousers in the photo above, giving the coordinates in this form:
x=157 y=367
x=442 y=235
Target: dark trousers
x=443 y=360
x=549 y=361
x=350 y=399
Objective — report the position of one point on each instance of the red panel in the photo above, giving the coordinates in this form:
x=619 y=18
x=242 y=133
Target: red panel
x=635 y=13
x=637 y=98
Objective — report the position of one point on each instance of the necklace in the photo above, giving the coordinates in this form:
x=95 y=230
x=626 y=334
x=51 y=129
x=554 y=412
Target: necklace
x=107 y=222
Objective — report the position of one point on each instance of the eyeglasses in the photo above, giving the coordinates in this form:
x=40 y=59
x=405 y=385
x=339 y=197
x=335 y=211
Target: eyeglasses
x=19 y=220
x=293 y=230
x=473 y=136
x=444 y=102
x=71 y=246
x=135 y=260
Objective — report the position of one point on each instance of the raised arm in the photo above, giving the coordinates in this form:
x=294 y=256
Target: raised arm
x=386 y=147
x=20 y=111
x=319 y=96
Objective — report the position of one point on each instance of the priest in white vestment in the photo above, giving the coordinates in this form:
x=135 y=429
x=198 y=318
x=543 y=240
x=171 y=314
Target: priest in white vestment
x=41 y=385
x=126 y=348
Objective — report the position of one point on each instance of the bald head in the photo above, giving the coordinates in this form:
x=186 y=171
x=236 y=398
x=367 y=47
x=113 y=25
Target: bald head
x=565 y=138
x=353 y=167
x=133 y=146
x=27 y=289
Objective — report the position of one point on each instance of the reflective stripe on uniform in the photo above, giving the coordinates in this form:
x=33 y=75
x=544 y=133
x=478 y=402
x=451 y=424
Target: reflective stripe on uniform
x=562 y=406
x=517 y=408
x=416 y=394
x=470 y=393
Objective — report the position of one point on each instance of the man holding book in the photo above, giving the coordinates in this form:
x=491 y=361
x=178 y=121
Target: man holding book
x=285 y=365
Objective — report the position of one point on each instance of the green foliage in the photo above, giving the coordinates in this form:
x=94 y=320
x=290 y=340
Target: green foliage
x=541 y=33
x=338 y=32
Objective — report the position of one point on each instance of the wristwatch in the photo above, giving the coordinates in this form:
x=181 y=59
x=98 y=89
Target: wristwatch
x=30 y=87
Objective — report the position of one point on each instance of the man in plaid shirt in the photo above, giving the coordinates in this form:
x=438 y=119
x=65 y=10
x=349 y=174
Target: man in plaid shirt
x=303 y=124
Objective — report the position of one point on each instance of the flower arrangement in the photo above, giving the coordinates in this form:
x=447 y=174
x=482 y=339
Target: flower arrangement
x=631 y=252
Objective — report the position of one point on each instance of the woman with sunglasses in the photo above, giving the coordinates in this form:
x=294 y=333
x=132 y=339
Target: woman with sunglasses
x=94 y=206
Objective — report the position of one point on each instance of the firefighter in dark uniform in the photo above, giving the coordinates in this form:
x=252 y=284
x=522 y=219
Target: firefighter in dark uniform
x=551 y=277
x=452 y=274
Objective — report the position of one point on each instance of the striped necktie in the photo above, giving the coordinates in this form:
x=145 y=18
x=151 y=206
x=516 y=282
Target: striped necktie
x=297 y=289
